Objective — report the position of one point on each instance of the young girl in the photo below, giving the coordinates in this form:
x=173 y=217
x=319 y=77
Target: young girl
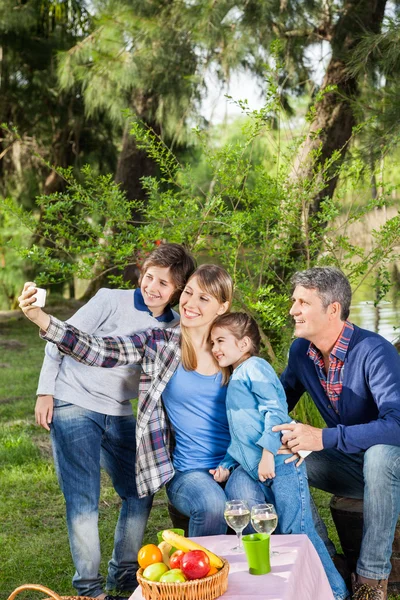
x=180 y=393
x=256 y=402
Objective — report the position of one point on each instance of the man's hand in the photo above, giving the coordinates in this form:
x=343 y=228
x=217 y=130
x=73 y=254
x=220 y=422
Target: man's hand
x=266 y=466
x=34 y=313
x=293 y=457
x=220 y=474
x=44 y=411
x=300 y=437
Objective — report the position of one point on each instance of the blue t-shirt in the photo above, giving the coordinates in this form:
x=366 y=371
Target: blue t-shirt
x=195 y=406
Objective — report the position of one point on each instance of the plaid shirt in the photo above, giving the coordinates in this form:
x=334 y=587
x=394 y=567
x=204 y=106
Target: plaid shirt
x=158 y=351
x=333 y=381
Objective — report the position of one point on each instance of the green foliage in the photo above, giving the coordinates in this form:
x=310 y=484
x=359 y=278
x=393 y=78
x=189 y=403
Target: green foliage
x=245 y=216
x=79 y=228
x=12 y=232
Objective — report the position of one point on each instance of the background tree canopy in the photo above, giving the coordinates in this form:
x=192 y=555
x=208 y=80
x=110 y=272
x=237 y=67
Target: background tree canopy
x=104 y=148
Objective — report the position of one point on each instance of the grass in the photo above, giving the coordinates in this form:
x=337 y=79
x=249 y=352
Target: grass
x=33 y=535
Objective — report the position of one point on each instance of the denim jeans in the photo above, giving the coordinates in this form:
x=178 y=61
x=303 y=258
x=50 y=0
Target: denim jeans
x=83 y=440
x=195 y=494
x=290 y=494
x=373 y=475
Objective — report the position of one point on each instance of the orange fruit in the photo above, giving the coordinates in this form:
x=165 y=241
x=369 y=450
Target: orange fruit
x=212 y=571
x=148 y=555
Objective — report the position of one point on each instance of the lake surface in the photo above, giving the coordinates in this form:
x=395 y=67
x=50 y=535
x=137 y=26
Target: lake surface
x=384 y=318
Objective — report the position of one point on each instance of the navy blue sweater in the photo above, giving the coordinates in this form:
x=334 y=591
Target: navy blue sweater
x=369 y=405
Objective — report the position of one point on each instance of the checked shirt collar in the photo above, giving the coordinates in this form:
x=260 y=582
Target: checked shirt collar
x=332 y=382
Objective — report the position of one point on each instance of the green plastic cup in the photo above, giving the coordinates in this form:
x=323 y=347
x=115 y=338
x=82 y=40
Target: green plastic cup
x=256 y=547
x=176 y=530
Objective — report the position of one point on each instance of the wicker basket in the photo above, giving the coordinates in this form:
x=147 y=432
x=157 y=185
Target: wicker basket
x=45 y=590
x=207 y=588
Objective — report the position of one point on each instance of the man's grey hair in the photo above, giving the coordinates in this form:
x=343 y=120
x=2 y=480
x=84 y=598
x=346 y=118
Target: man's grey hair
x=331 y=285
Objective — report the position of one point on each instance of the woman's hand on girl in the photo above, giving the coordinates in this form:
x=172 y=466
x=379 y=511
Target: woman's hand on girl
x=33 y=313
x=220 y=474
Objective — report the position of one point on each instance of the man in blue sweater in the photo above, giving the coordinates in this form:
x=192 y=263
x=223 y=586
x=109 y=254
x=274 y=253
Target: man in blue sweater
x=353 y=377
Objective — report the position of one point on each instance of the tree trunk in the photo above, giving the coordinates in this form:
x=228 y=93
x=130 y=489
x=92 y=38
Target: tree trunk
x=133 y=164
x=332 y=126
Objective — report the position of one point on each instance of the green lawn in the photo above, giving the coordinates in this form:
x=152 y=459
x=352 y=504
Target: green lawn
x=33 y=539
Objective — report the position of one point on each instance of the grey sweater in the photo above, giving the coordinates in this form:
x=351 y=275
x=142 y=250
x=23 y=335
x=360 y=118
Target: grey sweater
x=106 y=391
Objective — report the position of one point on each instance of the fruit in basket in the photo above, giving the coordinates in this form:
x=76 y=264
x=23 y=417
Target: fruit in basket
x=175 y=559
x=173 y=576
x=165 y=551
x=155 y=571
x=148 y=555
x=195 y=564
x=212 y=571
x=182 y=543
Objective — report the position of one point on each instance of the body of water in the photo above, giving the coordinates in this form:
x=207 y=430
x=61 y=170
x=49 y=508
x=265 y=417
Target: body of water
x=383 y=318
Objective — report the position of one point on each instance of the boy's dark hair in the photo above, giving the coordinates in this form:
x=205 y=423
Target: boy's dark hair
x=179 y=261
x=241 y=325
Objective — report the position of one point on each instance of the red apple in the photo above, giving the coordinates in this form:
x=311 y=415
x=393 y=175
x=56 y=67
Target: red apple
x=175 y=559
x=195 y=564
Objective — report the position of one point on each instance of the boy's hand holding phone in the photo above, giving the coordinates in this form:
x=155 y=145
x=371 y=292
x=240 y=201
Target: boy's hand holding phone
x=266 y=466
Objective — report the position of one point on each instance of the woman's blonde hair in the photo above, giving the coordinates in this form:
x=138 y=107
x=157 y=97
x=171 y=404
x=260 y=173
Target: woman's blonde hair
x=213 y=280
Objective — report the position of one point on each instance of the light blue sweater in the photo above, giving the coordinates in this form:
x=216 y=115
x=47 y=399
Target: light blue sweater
x=106 y=391
x=255 y=402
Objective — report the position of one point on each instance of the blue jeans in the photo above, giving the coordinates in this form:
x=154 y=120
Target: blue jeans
x=82 y=440
x=374 y=476
x=195 y=494
x=290 y=494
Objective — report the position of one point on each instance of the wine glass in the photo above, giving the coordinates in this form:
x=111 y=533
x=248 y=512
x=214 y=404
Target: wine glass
x=237 y=515
x=264 y=519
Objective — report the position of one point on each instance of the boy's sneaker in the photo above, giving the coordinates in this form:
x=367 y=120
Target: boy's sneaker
x=109 y=597
x=368 y=589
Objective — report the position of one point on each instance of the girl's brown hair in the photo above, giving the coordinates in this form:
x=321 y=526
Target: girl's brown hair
x=213 y=280
x=241 y=325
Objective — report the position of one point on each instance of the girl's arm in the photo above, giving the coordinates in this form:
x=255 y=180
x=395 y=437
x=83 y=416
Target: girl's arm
x=272 y=406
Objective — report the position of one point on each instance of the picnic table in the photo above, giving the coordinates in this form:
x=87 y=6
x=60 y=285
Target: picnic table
x=296 y=572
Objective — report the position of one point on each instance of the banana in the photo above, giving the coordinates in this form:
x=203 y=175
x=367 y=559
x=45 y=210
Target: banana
x=182 y=543
x=165 y=550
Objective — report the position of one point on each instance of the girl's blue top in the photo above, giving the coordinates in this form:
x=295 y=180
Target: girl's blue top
x=195 y=405
x=255 y=402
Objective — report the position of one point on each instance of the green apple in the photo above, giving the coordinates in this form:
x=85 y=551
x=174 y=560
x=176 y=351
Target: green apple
x=173 y=576
x=155 y=571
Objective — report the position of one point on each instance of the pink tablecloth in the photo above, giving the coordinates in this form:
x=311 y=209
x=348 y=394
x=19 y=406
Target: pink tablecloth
x=296 y=573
